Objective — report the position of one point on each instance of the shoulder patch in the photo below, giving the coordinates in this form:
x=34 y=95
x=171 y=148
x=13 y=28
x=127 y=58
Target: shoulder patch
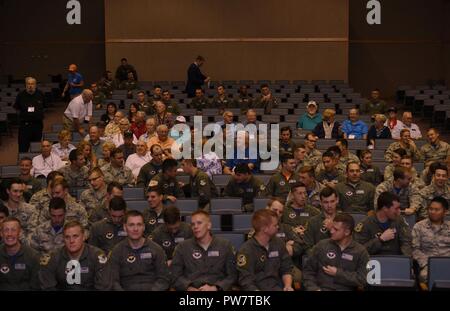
x=44 y=260
x=262 y=187
x=102 y=258
x=241 y=260
x=202 y=182
x=153 y=183
x=359 y=227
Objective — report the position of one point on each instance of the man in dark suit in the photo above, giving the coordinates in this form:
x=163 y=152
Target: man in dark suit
x=195 y=77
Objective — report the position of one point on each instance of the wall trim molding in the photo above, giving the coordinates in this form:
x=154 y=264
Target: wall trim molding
x=219 y=40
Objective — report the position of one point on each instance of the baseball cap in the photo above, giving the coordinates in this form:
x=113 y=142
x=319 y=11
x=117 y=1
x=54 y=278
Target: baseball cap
x=392 y=109
x=313 y=103
x=181 y=119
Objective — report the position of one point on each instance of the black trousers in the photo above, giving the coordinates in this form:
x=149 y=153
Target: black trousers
x=29 y=132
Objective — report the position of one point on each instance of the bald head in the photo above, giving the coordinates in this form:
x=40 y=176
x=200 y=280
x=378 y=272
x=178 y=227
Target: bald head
x=87 y=95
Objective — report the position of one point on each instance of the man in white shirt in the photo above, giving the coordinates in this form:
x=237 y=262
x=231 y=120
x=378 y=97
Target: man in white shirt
x=78 y=110
x=47 y=161
x=137 y=160
x=407 y=124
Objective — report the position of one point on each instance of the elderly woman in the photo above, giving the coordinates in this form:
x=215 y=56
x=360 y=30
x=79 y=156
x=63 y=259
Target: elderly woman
x=378 y=130
x=150 y=126
x=311 y=118
x=328 y=128
x=113 y=126
x=124 y=126
x=108 y=146
x=64 y=147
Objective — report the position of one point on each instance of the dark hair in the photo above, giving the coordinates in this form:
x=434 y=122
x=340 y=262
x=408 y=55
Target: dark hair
x=399 y=172
x=25 y=159
x=308 y=170
x=169 y=164
x=157 y=86
x=350 y=163
x=242 y=168
x=346 y=219
x=335 y=150
x=112 y=185
x=133 y=213
x=441 y=167
x=124 y=59
x=386 y=199
x=343 y=141
x=200 y=58
x=328 y=154
x=327 y=191
x=309 y=134
x=400 y=151
x=73 y=155
x=115 y=151
x=14 y=180
x=171 y=215
x=51 y=176
x=117 y=204
x=264 y=85
x=300 y=146
x=57 y=203
x=4 y=209
x=154 y=189
x=363 y=153
x=193 y=162
x=441 y=200
x=297 y=185
x=111 y=105
x=433 y=129
x=286 y=128
x=286 y=156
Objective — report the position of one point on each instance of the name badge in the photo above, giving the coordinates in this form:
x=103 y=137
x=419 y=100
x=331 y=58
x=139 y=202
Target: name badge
x=249 y=190
x=30 y=109
x=351 y=136
x=359 y=191
x=84 y=270
x=370 y=170
x=160 y=220
x=304 y=214
x=121 y=233
x=178 y=240
x=146 y=255
x=281 y=235
x=273 y=254
x=347 y=256
x=292 y=181
x=29 y=187
x=213 y=254
x=19 y=266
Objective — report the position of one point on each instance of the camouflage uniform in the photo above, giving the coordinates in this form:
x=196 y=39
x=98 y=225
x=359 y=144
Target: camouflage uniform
x=260 y=268
x=91 y=199
x=411 y=151
x=146 y=173
x=172 y=107
x=98 y=100
x=431 y=153
x=32 y=186
x=26 y=215
x=129 y=85
x=75 y=178
x=368 y=233
x=279 y=186
x=93 y=268
x=74 y=211
x=104 y=234
x=356 y=198
x=313 y=196
x=351 y=265
x=349 y=158
x=222 y=103
x=422 y=198
x=405 y=194
x=122 y=175
x=19 y=272
x=389 y=171
x=246 y=190
x=313 y=158
x=267 y=105
x=169 y=241
x=295 y=217
x=429 y=241
x=45 y=239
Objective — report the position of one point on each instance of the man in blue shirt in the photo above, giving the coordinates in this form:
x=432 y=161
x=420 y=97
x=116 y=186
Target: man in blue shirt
x=353 y=128
x=75 y=82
